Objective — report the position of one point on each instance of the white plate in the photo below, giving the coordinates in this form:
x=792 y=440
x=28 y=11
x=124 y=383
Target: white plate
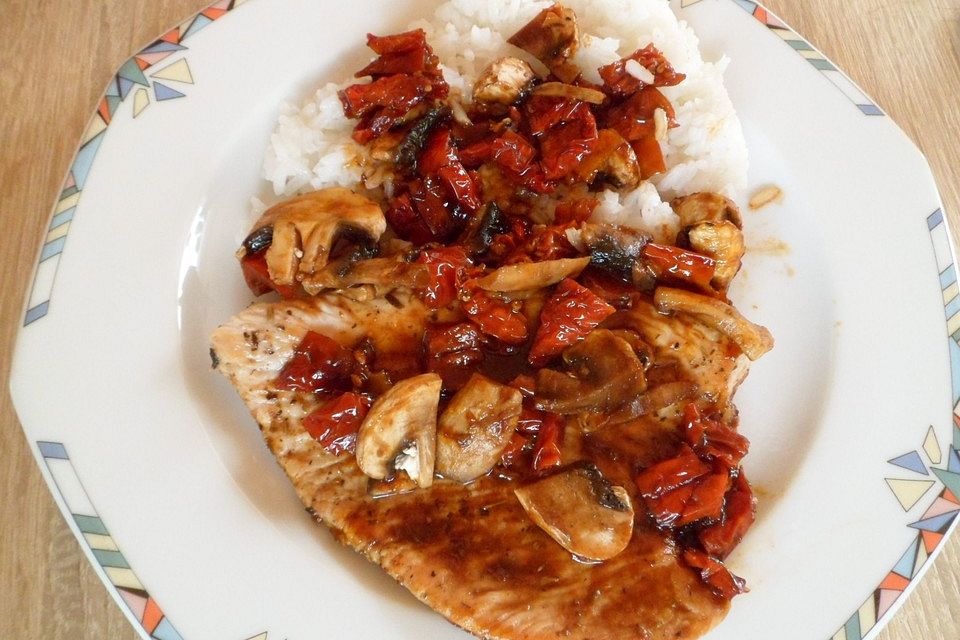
x=164 y=479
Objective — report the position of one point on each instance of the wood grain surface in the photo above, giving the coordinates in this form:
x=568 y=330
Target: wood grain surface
x=55 y=59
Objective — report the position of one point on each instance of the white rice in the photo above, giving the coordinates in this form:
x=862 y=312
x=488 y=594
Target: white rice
x=311 y=147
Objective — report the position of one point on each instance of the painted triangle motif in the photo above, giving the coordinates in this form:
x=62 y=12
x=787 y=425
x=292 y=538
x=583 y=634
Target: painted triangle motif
x=885 y=601
x=939 y=507
x=163 y=92
x=132 y=72
x=172 y=36
x=910 y=461
x=178 y=71
x=153 y=58
x=930 y=540
x=936 y=524
x=908 y=492
x=953 y=461
x=125 y=85
x=135 y=601
x=198 y=23
x=904 y=565
x=931 y=446
x=949 y=479
x=141 y=100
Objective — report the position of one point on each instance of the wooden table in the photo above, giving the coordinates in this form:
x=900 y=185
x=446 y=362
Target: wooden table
x=54 y=61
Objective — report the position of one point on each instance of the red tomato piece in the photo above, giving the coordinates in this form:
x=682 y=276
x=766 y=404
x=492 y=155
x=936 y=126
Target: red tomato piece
x=410 y=61
x=739 y=513
x=618 y=81
x=723 y=583
x=257 y=276
x=633 y=118
x=575 y=210
x=694 y=430
x=668 y=508
x=318 y=364
x=406 y=222
x=565 y=146
x=512 y=151
x=335 y=424
x=668 y=475
x=447 y=265
x=496 y=318
x=673 y=263
x=545 y=112
x=572 y=312
x=476 y=154
x=649 y=156
x=397 y=92
x=706 y=501
x=546 y=448
x=435 y=210
x=415 y=39
x=453 y=352
x=724 y=444
x=439 y=158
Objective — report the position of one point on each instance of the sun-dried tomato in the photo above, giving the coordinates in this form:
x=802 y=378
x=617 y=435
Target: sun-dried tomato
x=649 y=156
x=571 y=313
x=618 y=81
x=439 y=158
x=335 y=424
x=679 y=265
x=442 y=219
x=739 y=510
x=633 y=118
x=318 y=364
x=397 y=42
x=565 y=146
x=446 y=267
x=496 y=318
x=257 y=276
x=706 y=501
x=720 y=580
x=410 y=61
x=667 y=475
x=400 y=91
x=713 y=440
x=546 y=447
x=453 y=352
x=512 y=151
x=405 y=220
x=574 y=210
x=545 y=112
x=668 y=508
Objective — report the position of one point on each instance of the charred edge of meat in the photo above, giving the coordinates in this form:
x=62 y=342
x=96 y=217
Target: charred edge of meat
x=482 y=229
x=394 y=301
x=214 y=359
x=602 y=488
x=258 y=240
x=408 y=153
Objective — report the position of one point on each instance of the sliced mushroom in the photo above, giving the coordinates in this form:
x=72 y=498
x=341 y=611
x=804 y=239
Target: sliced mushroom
x=706 y=207
x=400 y=431
x=570 y=91
x=581 y=510
x=503 y=81
x=305 y=228
x=604 y=373
x=752 y=339
x=612 y=160
x=723 y=242
x=379 y=272
x=553 y=38
x=532 y=275
x=653 y=401
x=476 y=426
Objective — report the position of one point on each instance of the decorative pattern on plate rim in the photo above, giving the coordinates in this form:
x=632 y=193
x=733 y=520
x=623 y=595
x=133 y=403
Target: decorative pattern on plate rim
x=131 y=78
x=807 y=51
x=937 y=519
x=92 y=533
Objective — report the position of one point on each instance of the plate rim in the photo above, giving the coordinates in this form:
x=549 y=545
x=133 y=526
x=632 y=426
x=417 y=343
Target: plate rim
x=148 y=619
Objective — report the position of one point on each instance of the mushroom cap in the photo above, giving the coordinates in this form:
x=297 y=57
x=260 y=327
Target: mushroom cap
x=475 y=427
x=581 y=510
x=401 y=420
